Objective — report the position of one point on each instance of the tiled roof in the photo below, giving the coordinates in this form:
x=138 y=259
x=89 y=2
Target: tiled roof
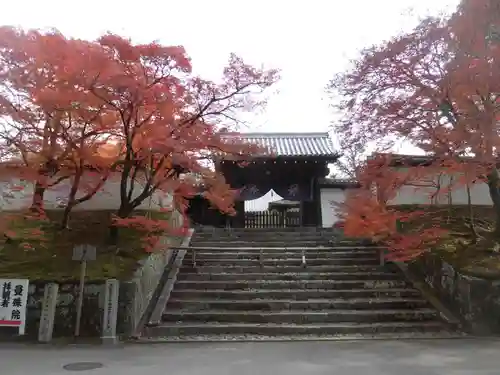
x=293 y=144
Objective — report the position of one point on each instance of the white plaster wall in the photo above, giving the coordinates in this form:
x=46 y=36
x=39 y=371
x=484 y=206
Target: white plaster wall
x=108 y=198
x=421 y=194
x=480 y=195
x=328 y=197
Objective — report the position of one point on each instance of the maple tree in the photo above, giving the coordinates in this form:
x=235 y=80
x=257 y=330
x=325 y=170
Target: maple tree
x=46 y=132
x=370 y=211
x=86 y=112
x=436 y=87
x=171 y=121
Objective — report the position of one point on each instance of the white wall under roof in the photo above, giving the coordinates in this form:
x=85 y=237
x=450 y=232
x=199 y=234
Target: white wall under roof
x=411 y=194
x=108 y=198
x=329 y=197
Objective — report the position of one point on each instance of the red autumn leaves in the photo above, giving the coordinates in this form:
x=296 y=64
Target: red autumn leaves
x=436 y=87
x=83 y=112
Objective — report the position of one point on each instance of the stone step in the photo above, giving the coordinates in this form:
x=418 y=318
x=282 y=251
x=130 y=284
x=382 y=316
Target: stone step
x=242 y=338
x=280 y=250
x=294 y=316
x=241 y=241
x=267 y=236
x=298 y=242
x=292 y=294
x=220 y=243
x=276 y=236
x=308 y=305
x=291 y=242
x=311 y=229
x=284 y=269
x=282 y=255
x=265 y=276
x=284 y=329
x=289 y=284
x=287 y=262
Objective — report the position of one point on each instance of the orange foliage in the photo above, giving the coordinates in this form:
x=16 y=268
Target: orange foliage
x=438 y=88
x=81 y=111
x=367 y=214
x=367 y=217
x=50 y=124
x=372 y=212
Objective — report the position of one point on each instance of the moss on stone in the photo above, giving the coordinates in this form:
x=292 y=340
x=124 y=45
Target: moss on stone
x=48 y=257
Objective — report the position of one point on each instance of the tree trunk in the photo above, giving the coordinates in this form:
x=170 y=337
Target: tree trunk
x=37 y=202
x=65 y=217
x=123 y=212
x=113 y=234
x=471 y=213
x=71 y=200
x=49 y=169
x=494 y=188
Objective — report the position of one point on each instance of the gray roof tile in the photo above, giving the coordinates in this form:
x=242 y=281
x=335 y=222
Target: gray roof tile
x=339 y=182
x=293 y=144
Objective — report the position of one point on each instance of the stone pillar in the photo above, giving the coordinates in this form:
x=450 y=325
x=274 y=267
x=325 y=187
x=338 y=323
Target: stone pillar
x=49 y=303
x=110 y=314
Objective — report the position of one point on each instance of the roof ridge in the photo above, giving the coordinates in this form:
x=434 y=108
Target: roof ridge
x=340 y=182
x=285 y=134
x=307 y=144
x=339 y=179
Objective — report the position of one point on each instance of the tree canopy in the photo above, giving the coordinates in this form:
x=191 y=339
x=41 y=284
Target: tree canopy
x=436 y=87
x=81 y=112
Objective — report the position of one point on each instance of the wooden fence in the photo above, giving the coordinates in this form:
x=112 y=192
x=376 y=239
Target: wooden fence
x=271 y=219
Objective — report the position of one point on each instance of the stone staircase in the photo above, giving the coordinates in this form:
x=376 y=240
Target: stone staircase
x=286 y=284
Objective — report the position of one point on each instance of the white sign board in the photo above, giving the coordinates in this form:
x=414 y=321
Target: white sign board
x=84 y=253
x=13 y=301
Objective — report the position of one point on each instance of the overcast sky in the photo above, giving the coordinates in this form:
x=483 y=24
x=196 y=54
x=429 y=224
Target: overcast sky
x=308 y=40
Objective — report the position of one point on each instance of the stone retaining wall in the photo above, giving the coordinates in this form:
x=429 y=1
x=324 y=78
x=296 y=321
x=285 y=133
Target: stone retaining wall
x=136 y=294
x=64 y=324
x=134 y=298
x=476 y=301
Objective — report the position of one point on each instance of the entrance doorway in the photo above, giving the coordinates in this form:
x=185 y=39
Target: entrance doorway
x=272 y=211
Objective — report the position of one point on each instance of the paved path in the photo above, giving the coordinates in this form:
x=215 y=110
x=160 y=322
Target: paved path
x=453 y=357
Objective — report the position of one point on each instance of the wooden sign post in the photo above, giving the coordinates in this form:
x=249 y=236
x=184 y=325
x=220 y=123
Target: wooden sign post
x=82 y=253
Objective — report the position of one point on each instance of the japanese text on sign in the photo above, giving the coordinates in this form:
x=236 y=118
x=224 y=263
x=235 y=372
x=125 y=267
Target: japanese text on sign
x=14 y=297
